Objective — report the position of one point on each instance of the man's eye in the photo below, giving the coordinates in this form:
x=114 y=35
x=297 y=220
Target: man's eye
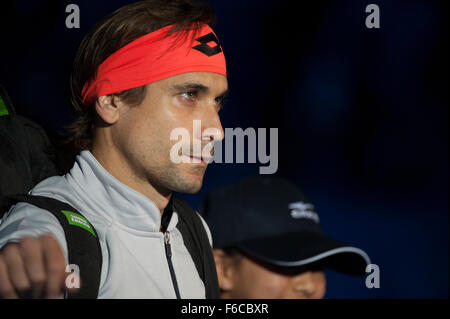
x=220 y=101
x=190 y=95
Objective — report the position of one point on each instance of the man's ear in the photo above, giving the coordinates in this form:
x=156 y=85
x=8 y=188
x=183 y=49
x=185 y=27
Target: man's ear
x=225 y=269
x=107 y=107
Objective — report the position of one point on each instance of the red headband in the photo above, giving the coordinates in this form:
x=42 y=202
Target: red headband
x=154 y=57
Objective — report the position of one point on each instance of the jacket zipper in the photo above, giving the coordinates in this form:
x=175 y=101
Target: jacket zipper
x=169 y=261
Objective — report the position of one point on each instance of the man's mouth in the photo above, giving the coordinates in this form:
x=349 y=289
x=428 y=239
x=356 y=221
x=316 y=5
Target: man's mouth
x=198 y=159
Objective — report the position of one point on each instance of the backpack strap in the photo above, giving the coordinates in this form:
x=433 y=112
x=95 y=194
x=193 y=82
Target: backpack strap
x=197 y=243
x=83 y=245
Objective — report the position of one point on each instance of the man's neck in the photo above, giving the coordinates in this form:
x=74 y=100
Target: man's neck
x=118 y=167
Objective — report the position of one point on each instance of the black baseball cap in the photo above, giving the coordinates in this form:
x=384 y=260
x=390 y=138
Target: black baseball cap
x=270 y=219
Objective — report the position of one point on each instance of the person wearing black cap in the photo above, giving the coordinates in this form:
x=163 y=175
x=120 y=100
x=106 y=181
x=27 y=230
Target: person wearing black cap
x=268 y=242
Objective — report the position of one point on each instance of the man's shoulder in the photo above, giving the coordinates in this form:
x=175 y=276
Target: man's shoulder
x=22 y=209
x=53 y=184
x=56 y=187
x=24 y=213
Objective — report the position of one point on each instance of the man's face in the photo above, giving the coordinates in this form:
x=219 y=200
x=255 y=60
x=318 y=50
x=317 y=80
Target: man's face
x=143 y=133
x=252 y=279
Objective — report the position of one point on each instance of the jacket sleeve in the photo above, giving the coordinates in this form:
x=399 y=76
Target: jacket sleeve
x=25 y=220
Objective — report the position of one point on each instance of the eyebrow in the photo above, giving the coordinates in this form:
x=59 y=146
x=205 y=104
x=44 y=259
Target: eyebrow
x=193 y=86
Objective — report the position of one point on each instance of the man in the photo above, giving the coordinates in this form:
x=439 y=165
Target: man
x=143 y=71
x=268 y=242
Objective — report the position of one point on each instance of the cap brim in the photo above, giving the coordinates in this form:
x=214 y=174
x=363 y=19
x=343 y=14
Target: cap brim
x=301 y=249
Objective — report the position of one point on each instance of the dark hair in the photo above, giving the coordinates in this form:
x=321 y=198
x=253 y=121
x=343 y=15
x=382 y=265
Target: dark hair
x=112 y=33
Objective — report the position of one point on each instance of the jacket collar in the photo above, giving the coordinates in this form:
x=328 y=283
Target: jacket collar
x=114 y=200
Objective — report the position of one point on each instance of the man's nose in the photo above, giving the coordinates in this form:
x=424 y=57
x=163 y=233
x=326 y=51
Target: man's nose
x=305 y=285
x=212 y=129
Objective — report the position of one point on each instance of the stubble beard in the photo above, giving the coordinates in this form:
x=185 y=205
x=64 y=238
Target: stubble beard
x=188 y=180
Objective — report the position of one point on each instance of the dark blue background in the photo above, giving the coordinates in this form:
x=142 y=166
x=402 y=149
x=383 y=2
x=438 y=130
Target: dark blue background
x=362 y=115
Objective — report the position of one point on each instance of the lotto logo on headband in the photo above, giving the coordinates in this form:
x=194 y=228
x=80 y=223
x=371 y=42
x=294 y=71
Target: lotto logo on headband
x=205 y=48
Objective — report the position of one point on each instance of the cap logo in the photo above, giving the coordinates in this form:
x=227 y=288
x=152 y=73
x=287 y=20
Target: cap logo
x=303 y=210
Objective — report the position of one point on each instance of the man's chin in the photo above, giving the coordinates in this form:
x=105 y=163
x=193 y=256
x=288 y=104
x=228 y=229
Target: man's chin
x=189 y=183
x=189 y=187
x=193 y=190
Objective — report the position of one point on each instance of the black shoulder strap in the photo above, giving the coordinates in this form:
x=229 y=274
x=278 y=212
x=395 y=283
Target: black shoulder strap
x=82 y=242
x=197 y=243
